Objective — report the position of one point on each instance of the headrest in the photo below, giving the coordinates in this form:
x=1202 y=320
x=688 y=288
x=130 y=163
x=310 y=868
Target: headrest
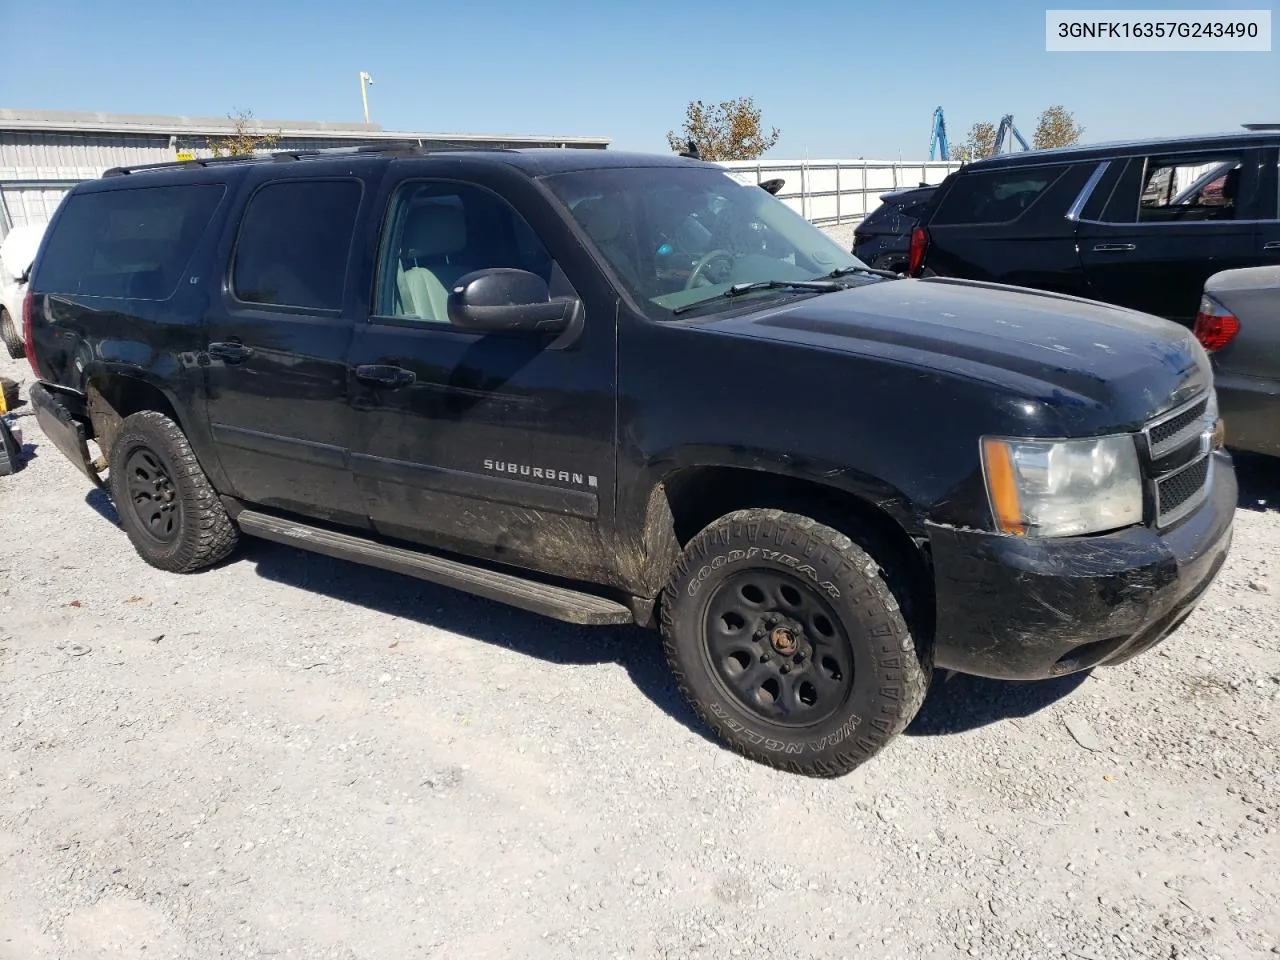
x=1231 y=184
x=601 y=217
x=435 y=230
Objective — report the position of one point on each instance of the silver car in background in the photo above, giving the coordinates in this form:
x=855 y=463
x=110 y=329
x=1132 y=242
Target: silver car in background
x=17 y=252
x=1239 y=325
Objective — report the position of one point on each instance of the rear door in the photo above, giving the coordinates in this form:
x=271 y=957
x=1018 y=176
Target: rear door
x=277 y=340
x=494 y=445
x=1008 y=224
x=1166 y=227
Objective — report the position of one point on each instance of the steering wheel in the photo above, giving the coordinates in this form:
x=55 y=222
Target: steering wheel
x=696 y=273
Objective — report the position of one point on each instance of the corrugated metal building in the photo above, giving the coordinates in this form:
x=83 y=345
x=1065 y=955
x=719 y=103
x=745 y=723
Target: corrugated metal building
x=43 y=153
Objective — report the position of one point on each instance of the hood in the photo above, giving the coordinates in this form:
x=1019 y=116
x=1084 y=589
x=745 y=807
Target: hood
x=1061 y=349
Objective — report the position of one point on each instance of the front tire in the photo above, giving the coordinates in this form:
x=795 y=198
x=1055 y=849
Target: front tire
x=784 y=636
x=171 y=513
x=9 y=334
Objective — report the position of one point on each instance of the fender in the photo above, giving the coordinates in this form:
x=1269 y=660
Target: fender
x=174 y=376
x=647 y=543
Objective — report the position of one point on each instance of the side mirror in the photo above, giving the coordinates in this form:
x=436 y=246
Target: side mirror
x=773 y=186
x=502 y=299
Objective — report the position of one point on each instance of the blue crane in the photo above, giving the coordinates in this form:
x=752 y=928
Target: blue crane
x=939 y=139
x=1007 y=130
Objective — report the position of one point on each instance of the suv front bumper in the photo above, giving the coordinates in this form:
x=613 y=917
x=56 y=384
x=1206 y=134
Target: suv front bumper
x=1022 y=608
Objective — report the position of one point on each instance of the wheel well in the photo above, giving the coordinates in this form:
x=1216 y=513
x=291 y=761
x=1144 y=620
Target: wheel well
x=112 y=398
x=699 y=495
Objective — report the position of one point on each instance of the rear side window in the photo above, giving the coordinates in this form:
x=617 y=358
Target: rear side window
x=996 y=197
x=293 y=243
x=130 y=244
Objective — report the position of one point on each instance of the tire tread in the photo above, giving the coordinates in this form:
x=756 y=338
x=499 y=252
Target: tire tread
x=813 y=538
x=208 y=534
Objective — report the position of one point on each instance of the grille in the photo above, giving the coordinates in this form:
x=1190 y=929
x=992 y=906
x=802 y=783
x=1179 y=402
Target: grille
x=1170 y=433
x=1176 y=493
x=1181 y=462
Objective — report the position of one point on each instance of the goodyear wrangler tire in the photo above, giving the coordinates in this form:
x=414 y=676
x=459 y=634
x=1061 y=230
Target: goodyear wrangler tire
x=9 y=334
x=172 y=515
x=784 y=636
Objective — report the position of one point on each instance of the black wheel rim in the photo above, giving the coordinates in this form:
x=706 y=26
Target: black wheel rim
x=778 y=648
x=153 y=498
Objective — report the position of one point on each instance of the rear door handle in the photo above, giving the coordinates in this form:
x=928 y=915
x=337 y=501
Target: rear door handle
x=384 y=375
x=1273 y=245
x=230 y=352
x=1114 y=247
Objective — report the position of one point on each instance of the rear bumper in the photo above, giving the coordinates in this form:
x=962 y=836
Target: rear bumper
x=1250 y=410
x=61 y=415
x=1026 y=609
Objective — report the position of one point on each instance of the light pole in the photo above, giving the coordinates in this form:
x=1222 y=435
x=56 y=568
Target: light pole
x=365 y=80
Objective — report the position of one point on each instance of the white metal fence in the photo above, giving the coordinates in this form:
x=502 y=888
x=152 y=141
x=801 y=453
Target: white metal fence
x=34 y=176
x=835 y=191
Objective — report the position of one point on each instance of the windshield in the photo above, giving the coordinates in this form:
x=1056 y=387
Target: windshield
x=676 y=235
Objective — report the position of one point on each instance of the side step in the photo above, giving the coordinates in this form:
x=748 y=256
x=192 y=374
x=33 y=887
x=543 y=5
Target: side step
x=560 y=603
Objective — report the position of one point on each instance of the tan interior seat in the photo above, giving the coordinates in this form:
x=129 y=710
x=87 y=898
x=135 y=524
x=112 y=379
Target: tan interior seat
x=434 y=237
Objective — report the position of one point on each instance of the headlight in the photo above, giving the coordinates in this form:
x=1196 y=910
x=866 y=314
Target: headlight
x=1060 y=488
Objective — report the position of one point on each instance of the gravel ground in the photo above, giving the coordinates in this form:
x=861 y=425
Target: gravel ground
x=290 y=756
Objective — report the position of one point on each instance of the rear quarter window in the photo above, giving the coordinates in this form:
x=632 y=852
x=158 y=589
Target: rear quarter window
x=996 y=197
x=131 y=244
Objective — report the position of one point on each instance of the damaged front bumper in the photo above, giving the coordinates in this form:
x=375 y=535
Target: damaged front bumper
x=62 y=415
x=1024 y=608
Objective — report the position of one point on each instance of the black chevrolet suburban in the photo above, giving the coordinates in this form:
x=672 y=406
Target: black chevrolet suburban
x=617 y=389
x=1141 y=225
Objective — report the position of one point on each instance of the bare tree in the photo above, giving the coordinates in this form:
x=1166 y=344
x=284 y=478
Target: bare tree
x=729 y=130
x=242 y=141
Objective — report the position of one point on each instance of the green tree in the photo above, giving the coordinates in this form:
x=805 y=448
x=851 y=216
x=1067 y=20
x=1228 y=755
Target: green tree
x=980 y=143
x=243 y=141
x=1056 y=127
x=729 y=130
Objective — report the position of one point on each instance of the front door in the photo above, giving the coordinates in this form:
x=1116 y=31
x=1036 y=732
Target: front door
x=277 y=340
x=494 y=445
x=1268 y=237
x=1170 y=223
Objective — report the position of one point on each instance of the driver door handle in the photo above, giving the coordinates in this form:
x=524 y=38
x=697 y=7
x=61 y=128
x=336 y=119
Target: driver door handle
x=1114 y=247
x=384 y=375
x=1273 y=245
x=230 y=351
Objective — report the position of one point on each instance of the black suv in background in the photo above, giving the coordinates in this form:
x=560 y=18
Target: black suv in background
x=1140 y=225
x=616 y=389
x=883 y=239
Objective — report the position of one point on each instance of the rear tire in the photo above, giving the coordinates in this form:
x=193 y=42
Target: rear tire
x=9 y=334
x=784 y=636
x=172 y=515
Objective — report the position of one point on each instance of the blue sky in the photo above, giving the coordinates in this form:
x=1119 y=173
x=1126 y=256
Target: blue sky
x=839 y=79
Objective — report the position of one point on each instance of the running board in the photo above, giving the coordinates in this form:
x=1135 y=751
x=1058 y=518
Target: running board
x=560 y=603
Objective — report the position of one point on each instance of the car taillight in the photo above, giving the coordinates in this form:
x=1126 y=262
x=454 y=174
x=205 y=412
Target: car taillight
x=1216 y=326
x=919 y=241
x=28 y=345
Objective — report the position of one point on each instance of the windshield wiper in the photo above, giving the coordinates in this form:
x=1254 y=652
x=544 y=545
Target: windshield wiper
x=869 y=271
x=821 y=285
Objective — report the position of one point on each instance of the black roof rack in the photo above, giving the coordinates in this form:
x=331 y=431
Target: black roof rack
x=399 y=147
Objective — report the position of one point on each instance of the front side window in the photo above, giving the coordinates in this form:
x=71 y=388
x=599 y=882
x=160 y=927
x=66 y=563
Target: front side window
x=1194 y=188
x=436 y=233
x=294 y=242
x=675 y=235
x=131 y=244
x=996 y=197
